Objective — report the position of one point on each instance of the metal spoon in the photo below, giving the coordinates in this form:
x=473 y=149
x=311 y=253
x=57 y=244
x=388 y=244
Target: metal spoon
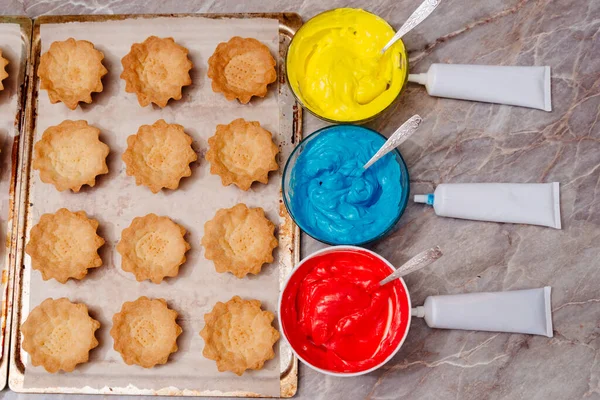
x=401 y=134
x=419 y=261
x=415 y=19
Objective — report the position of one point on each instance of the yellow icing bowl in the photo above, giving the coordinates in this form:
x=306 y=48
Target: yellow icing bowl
x=335 y=68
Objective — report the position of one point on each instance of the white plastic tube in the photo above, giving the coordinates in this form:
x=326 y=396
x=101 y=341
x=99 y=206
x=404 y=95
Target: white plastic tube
x=517 y=86
x=518 y=311
x=519 y=203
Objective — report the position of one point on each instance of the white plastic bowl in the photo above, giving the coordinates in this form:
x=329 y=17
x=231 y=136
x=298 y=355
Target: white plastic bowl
x=334 y=249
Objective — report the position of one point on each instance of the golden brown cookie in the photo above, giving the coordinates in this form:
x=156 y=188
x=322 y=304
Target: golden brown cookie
x=59 y=334
x=153 y=247
x=70 y=155
x=71 y=71
x=159 y=155
x=145 y=332
x=242 y=152
x=241 y=68
x=239 y=240
x=64 y=245
x=156 y=70
x=3 y=73
x=238 y=335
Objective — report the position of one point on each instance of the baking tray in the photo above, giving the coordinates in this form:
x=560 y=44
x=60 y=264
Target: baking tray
x=12 y=100
x=290 y=125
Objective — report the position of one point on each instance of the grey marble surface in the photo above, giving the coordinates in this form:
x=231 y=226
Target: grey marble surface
x=467 y=142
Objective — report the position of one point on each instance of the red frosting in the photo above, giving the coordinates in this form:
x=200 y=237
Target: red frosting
x=337 y=317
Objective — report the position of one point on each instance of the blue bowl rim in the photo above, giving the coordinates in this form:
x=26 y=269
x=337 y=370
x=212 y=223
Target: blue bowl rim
x=402 y=208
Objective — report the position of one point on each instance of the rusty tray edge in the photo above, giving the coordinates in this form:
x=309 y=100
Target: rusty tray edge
x=8 y=273
x=289 y=23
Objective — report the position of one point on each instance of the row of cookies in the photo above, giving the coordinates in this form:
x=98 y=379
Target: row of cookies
x=71 y=154
x=238 y=334
x=65 y=244
x=155 y=70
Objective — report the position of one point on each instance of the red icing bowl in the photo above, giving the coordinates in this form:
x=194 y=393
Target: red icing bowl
x=336 y=317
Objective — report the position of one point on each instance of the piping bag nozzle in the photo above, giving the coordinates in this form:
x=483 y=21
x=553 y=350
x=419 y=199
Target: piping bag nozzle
x=418 y=312
x=424 y=198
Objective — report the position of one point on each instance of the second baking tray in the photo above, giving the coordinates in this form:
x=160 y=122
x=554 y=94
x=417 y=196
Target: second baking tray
x=15 y=39
x=287 y=135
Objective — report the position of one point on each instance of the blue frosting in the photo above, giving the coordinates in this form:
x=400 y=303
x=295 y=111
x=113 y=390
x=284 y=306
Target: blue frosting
x=333 y=199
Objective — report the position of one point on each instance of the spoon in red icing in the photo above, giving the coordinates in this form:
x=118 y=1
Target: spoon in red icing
x=419 y=261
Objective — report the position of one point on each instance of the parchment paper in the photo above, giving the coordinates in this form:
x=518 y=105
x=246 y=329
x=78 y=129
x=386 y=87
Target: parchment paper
x=116 y=200
x=12 y=46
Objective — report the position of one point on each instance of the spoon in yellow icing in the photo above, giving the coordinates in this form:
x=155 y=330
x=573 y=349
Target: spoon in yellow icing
x=415 y=19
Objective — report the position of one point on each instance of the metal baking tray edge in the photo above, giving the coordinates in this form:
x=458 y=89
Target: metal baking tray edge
x=289 y=23
x=7 y=285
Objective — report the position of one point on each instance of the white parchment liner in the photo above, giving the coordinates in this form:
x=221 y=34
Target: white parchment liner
x=116 y=200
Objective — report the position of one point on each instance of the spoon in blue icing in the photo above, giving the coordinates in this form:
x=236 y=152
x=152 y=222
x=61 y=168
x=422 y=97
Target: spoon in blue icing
x=401 y=134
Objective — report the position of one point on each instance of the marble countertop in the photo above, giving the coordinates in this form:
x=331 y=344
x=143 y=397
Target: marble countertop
x=469 y=142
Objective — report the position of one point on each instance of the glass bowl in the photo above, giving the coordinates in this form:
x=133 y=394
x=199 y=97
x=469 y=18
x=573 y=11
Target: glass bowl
x=288 y=191
x=403 y=64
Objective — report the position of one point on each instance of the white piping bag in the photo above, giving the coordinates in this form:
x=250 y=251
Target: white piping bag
x=519 y=203
x=518 y=311
x=517 y=86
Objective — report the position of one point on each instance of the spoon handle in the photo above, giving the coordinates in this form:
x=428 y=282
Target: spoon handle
x=415 y=19
x=419 y=261
x=401 y=134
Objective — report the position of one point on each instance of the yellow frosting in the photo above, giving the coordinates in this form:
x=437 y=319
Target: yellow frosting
x=335 y=66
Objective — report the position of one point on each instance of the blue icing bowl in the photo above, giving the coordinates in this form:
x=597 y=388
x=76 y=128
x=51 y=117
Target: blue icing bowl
x=331 y=197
